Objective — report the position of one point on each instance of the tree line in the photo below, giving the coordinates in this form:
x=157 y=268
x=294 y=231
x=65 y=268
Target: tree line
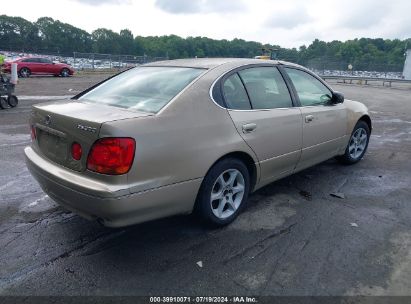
x=50 y=36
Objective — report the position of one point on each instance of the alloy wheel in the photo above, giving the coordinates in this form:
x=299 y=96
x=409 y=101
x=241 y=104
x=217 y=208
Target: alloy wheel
x=227 y=193
x=24 y=73
x=358 y=143
x=64 y=73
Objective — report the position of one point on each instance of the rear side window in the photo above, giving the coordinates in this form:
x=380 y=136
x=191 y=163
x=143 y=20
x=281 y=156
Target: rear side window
x=145 y=89
x=234 y=93
x=266 y=88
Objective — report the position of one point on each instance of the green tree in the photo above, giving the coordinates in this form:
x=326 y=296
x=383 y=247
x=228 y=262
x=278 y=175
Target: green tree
x=126 y=42
x=106 y=41
x=53 y=36
x=18 y=34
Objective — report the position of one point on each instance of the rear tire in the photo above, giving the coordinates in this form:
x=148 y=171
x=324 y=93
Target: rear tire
x=25 y=72
x=12 y=100
x=224 y=192
x=357 y=145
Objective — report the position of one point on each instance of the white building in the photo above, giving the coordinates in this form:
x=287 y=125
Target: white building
x=407 y=65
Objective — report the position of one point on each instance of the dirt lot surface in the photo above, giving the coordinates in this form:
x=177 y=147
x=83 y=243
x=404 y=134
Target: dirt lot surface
x=285 y=243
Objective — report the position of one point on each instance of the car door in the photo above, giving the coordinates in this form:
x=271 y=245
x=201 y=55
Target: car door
x=37 y=66
x=324 y=123
x=48 y=67
x=44 y=66
x=262 y=110
x=31 y=64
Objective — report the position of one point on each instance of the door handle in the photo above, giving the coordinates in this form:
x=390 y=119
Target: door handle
x=247 y=128
x=309 y=118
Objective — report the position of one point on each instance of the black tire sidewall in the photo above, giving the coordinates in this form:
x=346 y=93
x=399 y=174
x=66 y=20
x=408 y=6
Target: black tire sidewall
x=11 y=104
x=62 y=72
x=27 y=74
x=3 y=103
x=203 y=206
x=347 y=156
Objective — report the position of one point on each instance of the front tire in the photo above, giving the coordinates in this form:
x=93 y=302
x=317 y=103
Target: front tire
x=224 y=192
x=65 y=73
x=357 y=145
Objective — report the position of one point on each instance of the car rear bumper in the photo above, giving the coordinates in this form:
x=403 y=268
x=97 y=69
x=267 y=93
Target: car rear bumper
x=108 y=204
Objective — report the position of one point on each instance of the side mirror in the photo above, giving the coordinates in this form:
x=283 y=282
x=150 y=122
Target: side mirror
x=337 y=98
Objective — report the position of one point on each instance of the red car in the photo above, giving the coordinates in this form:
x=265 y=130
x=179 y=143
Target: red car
x=39 y=66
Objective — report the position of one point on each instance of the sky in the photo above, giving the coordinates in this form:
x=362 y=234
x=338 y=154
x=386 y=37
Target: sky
x=289 y=23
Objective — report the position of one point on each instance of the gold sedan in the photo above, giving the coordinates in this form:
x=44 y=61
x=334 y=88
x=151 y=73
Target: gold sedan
x=196 y=135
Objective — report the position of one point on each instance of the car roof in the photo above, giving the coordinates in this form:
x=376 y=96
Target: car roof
x=209 y=63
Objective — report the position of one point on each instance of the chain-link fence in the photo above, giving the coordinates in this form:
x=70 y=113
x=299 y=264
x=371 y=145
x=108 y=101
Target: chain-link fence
x=88 y=61
x=322 y=66
x=95 y=61
x=359 y=69
x=13 y=55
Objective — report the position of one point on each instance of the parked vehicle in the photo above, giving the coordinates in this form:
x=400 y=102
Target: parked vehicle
x=39 y=66
x=197 y=135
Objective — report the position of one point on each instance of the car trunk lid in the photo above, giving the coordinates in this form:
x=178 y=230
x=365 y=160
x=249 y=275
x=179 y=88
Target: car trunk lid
x=60 y=124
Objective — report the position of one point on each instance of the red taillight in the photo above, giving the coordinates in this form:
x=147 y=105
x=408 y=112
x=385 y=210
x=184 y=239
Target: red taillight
x=33 y=133
x=76 y=151
x=111 y=155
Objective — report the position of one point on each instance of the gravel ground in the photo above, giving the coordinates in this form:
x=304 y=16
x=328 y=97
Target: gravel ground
x=293 y=239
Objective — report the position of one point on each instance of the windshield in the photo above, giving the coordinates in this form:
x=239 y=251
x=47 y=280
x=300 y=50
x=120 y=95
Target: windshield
x=145 y=89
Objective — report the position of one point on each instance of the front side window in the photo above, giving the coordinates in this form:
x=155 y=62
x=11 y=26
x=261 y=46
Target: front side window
x=266 y=88
x=234 y=93
x=145 y=89
x=310 y=90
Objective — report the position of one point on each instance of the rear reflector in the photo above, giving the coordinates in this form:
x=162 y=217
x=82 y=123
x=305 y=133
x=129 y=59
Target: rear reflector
x=33 y=132
x=76 y=151
x=111 y=155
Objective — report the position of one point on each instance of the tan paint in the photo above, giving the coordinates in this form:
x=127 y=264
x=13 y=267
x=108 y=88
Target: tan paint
x=176 y=147
x=276 y=139
x=323 y=134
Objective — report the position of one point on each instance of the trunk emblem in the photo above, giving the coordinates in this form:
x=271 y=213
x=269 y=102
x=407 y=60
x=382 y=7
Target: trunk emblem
x=87 y=128
x=47 y=120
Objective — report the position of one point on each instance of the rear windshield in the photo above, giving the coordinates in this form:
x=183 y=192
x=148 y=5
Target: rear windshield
x=145 y=89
